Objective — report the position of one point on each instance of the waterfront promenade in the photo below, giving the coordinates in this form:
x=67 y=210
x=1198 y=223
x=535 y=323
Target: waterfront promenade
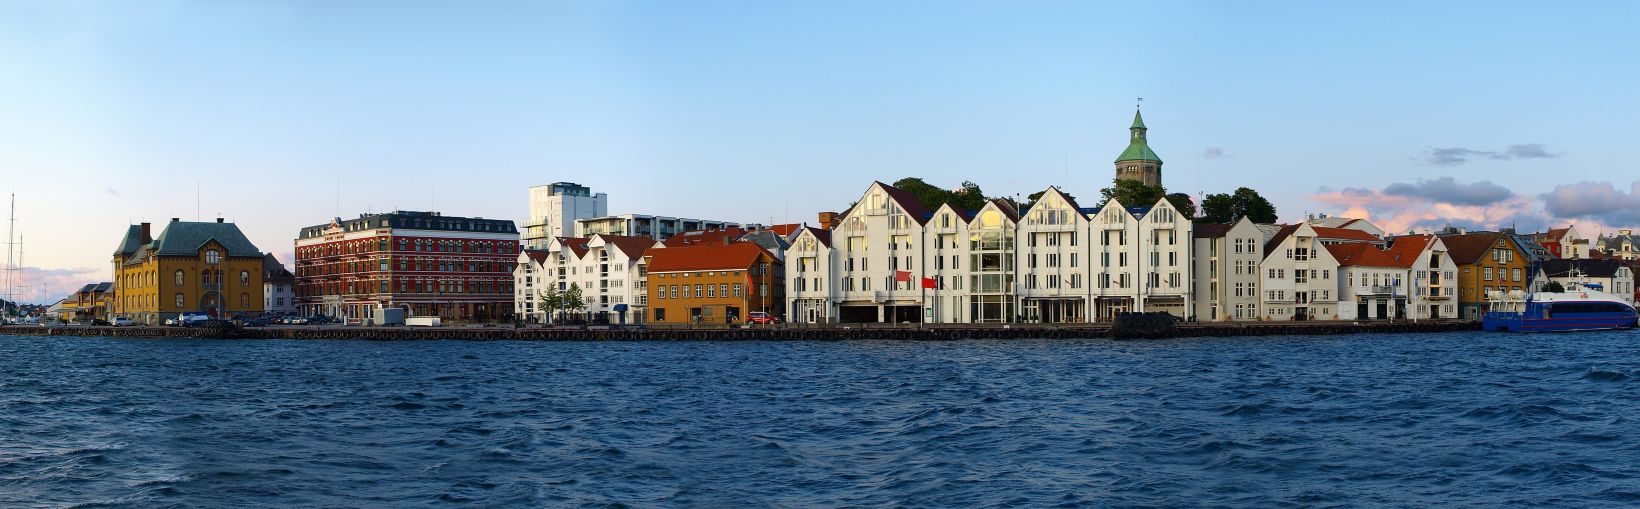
x=913 y=332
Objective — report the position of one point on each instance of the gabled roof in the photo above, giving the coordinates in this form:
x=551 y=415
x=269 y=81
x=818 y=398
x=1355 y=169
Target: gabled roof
x=537 y=255
x=785 y=230
x=185 y=238
x=576 y=244
x=1559 y=267
x=1404 y=253
x=275 y=272
x=912 y=206
x=1322 y=232
x=1556 y=234
x=632 y=247
x=1007 y=209
x=694 y=237
x=820 y=234
x=1469 y=248
x=736 y=256
x=1280 y=236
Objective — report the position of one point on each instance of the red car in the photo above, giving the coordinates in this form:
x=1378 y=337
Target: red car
x=761 y=318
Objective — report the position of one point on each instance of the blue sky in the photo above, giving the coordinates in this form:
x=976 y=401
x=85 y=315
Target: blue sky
x=1414 y=114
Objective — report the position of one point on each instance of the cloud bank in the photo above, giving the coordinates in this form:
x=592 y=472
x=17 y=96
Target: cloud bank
x=1455 y=156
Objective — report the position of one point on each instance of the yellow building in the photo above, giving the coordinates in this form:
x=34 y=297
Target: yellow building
x=193 y=267
x=1487 y=262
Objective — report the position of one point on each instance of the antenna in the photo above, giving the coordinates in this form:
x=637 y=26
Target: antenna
x=197 y=216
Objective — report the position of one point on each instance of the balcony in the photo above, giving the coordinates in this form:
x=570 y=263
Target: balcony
x=1380 y=290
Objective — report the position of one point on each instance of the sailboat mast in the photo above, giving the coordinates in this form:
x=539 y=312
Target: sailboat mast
x=11 y=252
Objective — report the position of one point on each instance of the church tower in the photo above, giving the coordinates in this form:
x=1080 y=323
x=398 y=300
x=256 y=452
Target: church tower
x=1138 y=162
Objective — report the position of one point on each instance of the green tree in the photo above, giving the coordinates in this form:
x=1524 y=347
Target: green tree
x=1244 y=202
x=1132 y=193
x=550 y=301
x=1182 y=201
x=1030 y=200
x=1554 y=287
x=574 y=302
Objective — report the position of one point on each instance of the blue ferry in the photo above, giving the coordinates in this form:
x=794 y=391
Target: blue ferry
x=1581 y=307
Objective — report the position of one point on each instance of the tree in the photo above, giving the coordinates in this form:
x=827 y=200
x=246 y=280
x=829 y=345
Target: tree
x=550 y=300
x=1554 y=287
x=1182 y=201
x=1132 y=193
x=573 y=301
x=1244 y=202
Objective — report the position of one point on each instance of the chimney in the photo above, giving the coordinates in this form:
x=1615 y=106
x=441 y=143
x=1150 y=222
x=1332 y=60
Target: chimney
x=219 y=220
x=175 y=219
x=147 y=232
x=828 y=220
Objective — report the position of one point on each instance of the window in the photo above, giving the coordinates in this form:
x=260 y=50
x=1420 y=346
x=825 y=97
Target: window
x=244 y=278
x=213 y=257
x=244 y=300
x=179 y=300
x=179 y=283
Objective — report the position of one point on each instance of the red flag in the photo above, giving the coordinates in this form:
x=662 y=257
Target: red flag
x=928 y=282
x=901 y=276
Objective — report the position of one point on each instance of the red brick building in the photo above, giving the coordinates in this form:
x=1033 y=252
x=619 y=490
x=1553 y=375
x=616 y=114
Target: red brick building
x=456 y=268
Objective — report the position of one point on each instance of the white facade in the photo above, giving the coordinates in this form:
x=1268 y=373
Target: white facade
x=1415 y=278
x=611 y=278
x=640 y=225
x=1227 y=273
x=554 y=209
x=278 y=299
x=1297 y=278
x=1058 y=263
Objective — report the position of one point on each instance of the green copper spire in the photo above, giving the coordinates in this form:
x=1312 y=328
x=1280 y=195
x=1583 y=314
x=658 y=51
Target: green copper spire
x=1138 y=149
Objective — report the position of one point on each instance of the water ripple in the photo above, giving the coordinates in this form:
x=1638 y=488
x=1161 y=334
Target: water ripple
x=1458 y=420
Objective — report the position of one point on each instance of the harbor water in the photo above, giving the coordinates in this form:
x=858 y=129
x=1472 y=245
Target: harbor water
x=1416 y=420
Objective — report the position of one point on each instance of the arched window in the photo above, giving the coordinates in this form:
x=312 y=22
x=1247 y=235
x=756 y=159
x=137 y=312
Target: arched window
x=244 y=300
x=179 y=301
x=244 y=278
x=179 y=278
x=213 y=257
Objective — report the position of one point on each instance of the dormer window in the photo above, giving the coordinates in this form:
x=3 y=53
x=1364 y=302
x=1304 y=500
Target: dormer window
x=213 y=257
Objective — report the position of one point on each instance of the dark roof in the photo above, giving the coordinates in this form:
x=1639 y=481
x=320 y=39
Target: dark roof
x=820 y=234
x=912 y=206
x=275 y=272
x=767 y=239
x=693 y=237
x=1466 y=249
x=185 y=238
x=1324 y=232
x=1211 y=230
x=634 y=247
x=1591 y=268
x=1280 y=236
x=415 y=220
x=539 y=255
x=132 y=242
x=576 y=244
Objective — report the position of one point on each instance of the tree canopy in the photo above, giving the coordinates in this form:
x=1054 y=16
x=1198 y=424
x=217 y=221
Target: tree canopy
x=1244 y=202
x=1132 y=193
x=968 y=196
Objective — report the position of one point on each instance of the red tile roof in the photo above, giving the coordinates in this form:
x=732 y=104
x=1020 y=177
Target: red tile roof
x=576 y=244
x=538 y=255
x=1323 y=232
x=785 y=230
x=1402 y=254
x=695 y=237
x=1466 y=249
x=705 y=257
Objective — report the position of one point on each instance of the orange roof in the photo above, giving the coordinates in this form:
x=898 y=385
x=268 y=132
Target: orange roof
x=1556 y=234
x=1343 y=234
x=736 y=256
x=1402 y=254
x=785 y=230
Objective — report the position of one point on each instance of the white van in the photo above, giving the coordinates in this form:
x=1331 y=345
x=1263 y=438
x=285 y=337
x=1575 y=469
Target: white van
x=120 y=321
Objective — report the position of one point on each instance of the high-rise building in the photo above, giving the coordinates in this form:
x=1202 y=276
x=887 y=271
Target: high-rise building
x=555 y=207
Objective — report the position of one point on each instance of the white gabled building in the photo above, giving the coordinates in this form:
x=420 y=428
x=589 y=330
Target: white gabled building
x=880 y=235
x=1140 y=260
x=1053 y=265
x=1297 y=276
x=810 y=272
x=1226 y=259
x=608 y=269
x=1414 y=278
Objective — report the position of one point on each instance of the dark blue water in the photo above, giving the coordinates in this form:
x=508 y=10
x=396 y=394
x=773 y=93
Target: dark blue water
x=1459 y=420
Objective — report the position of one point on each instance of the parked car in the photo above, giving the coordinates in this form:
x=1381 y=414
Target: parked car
x=120 y=321
x=761 y=318
x=101 y=323
x=258 y=322
x=192 y=319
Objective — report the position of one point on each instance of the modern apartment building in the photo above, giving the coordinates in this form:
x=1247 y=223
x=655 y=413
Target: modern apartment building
x=609 y=271
x=555 y=207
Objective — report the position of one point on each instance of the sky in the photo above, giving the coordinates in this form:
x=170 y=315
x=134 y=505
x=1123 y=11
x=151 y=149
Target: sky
x=277 y=115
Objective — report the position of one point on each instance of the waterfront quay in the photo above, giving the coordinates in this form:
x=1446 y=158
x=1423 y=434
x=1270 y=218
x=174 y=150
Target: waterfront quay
x=907 y=332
